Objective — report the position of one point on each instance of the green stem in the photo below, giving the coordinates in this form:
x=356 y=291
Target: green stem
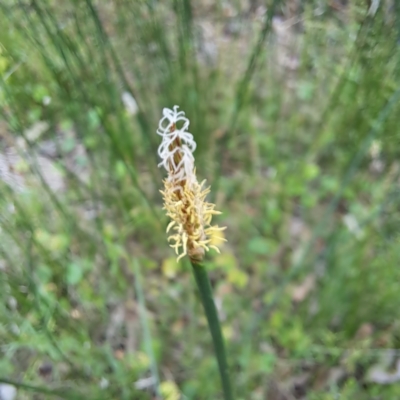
x=204 y=286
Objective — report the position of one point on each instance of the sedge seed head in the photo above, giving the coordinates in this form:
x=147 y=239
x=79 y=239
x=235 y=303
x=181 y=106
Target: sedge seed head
x=190 y=230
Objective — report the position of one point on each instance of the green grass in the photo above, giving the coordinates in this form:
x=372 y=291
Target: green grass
x=296 y=118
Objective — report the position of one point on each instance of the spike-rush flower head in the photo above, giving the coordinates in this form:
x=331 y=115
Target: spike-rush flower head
x=184 y=198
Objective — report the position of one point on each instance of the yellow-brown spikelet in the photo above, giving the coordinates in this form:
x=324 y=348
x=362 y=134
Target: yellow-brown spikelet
x=184 y=198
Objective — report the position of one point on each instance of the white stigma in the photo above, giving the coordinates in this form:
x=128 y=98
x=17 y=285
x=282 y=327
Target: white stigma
x=172 y=126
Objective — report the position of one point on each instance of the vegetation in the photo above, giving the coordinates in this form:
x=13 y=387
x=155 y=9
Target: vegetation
x=294 y=107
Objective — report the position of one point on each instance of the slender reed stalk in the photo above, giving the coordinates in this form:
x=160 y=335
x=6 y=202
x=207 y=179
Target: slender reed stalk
x=206 y=296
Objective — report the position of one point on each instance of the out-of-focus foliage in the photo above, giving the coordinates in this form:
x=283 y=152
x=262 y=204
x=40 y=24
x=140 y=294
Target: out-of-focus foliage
x=294 y=106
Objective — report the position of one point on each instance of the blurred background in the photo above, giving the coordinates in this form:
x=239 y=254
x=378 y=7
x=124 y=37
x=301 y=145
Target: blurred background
x=295 y=108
